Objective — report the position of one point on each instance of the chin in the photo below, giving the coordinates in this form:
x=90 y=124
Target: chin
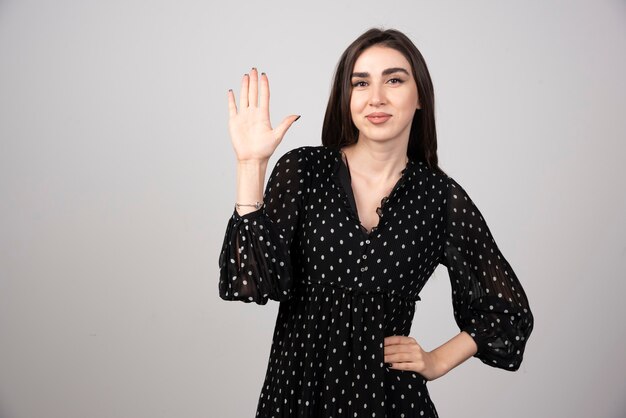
x=381 y=136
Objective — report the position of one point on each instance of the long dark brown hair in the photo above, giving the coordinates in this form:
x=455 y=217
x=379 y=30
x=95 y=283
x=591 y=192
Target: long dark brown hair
x=339 y=130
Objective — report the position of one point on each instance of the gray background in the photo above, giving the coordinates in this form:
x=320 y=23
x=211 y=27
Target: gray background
x=117 y=179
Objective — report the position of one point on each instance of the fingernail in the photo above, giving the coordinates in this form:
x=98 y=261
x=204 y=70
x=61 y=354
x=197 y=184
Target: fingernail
x=254 y=68
x=389 y=364
x=245 y=75
x=297 y=118
x=262 y=73
x=230 y=89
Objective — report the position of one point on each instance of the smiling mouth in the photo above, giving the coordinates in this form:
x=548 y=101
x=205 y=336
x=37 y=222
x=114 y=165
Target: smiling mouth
x=379 y=118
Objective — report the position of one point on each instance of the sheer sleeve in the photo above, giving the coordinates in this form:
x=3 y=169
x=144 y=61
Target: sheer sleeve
x=488 y=299
x=255 y=259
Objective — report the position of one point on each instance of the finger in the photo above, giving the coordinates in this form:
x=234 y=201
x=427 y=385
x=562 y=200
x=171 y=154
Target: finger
x=395 y=339
x=243 y=95
x=284 y=125
x=232 y=106
x=393 y=349
x=394 y=359
x=265 y=95
x=404 y=365
x=253 y=93
x=397 y=349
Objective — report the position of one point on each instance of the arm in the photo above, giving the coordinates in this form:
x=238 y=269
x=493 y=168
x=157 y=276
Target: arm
x=405 y=353
x=454 y=352
x=254 y=260
x=250 y=181
x=252 y=136
x=489 y=302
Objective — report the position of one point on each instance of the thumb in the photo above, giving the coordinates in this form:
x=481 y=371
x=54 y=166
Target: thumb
x=281 y=129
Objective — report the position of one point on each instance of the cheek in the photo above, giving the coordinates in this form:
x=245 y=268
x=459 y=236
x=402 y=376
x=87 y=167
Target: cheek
x=356 y=101
x=414 y=99
x=354 y=109
x=409 y=101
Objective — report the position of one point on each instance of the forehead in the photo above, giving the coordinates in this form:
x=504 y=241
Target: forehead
x=376 y=58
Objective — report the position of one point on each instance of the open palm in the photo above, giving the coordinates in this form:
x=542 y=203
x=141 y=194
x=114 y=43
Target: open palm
x=249 y=125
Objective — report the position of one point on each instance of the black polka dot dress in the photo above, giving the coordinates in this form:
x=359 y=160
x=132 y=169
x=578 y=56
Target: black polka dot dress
x=343 y=289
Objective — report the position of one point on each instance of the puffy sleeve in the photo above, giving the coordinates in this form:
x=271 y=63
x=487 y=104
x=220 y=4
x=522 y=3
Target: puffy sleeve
x=255 y=259
x=488 y=299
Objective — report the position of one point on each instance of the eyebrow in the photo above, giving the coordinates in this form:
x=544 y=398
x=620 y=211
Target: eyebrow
x=385 y=72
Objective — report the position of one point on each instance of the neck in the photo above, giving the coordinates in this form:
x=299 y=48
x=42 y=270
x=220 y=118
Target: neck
x=379 y=162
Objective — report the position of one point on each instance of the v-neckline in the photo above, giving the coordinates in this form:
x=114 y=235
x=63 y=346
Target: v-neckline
x=346 y=180
x=346 y=183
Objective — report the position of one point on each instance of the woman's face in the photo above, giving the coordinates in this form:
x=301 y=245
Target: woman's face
x=384 y=95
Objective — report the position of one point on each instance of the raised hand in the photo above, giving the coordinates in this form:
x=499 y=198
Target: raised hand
x=249 y=126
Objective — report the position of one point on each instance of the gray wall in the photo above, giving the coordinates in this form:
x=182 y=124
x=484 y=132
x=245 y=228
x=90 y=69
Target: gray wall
x=117 y=179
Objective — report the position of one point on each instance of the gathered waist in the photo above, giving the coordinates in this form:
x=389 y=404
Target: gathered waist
x=308 y=285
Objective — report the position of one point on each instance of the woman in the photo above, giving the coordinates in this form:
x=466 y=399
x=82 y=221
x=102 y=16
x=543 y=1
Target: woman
x=347 y=234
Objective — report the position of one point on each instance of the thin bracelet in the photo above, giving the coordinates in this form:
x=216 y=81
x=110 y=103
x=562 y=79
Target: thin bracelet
x=257 y=205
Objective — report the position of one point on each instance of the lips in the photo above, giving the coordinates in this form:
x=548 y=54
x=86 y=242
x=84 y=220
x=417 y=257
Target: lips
x=378 y=117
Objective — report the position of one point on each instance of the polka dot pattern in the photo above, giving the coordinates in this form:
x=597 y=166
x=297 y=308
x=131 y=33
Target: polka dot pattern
x=343 y=289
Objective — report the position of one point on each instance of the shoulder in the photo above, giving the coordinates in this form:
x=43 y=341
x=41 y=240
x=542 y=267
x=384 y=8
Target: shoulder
x=455 y=193
x=458 y=199
x=434 y=180
x=439 y=183
x=306 y=152
x=314 y=151
x=438 y=179
x=311 y=157
x=294 y=158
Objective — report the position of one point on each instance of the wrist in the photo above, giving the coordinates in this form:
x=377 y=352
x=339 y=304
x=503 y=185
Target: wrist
x=256 y=205
x=250 y=182
x=252 y=163
x=439 y=363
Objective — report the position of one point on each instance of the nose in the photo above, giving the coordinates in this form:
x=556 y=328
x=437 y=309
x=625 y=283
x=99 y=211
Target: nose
x=377 y=96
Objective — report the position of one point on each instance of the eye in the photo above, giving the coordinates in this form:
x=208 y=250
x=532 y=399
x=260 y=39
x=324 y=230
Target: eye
x=396 y=81
x=360 y=83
